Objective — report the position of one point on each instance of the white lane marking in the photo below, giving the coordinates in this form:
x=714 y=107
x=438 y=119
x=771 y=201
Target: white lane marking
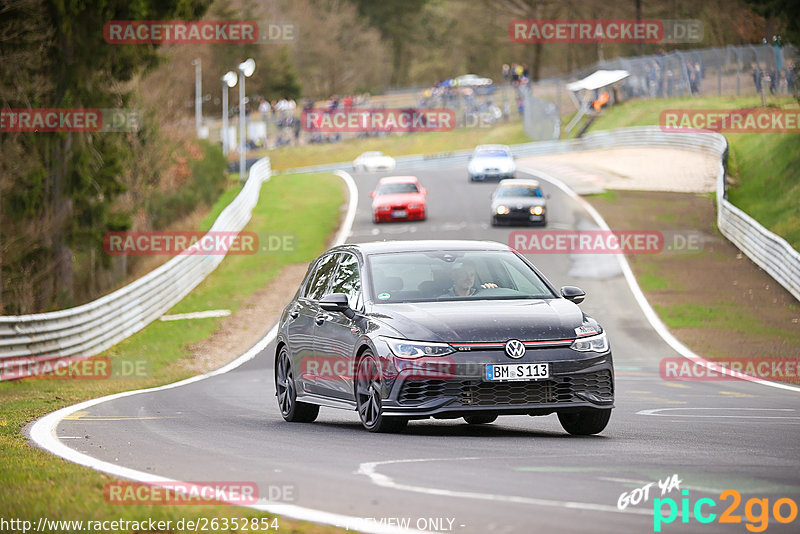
x=370 y=470
x=648 y=311
x=195 y=315
x=656 y=412
x=352 y=193
x=42 y=432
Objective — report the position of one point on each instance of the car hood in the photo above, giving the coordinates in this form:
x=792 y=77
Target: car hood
x=399 y=198
x=518 y=201
x=485 y=320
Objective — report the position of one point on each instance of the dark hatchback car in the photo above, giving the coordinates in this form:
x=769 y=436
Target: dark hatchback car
x=445 y=329
x=519 y=201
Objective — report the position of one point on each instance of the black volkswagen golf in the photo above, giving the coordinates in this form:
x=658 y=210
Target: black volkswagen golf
x=445 y=329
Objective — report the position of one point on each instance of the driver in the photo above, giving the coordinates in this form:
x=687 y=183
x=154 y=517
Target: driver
x=463 y=276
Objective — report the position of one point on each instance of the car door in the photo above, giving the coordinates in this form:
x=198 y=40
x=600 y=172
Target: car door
x=302 y=326
x=336 y=334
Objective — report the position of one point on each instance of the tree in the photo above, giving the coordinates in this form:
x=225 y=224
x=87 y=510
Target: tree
x=395 y=21
x=60 y=194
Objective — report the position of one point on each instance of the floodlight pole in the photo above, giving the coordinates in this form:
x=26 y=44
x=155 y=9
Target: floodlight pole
x=224 y=117
x=242 y=144
x=198 y=96
x=245 y=69
x=228 y=81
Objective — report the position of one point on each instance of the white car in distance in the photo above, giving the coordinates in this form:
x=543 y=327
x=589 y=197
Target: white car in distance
x=471 y=80
x=373 y=161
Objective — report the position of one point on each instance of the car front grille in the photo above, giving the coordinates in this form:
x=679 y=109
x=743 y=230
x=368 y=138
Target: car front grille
x=419 y=391
x=559 y=389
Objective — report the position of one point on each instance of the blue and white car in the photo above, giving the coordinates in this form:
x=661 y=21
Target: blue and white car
x=491 y=162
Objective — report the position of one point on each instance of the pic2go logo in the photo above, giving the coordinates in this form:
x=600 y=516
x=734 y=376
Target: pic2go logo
x=758 y=521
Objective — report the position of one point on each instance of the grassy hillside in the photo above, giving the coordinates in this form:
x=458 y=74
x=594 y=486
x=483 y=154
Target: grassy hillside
x=765 y=167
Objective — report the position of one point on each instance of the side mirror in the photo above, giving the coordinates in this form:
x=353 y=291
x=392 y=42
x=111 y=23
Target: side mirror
x=575 y=294
x=372 y=194
x=337 y=302
x=423 y=191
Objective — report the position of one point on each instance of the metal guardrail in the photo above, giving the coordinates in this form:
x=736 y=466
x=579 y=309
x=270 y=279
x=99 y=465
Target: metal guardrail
x=89 y=329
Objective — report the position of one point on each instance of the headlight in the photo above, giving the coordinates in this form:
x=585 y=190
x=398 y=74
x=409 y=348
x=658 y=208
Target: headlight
x=416 y=349
x=598 y=343
x=384 y=208
x=537 y=210
x=414 y=206
x=502 y=210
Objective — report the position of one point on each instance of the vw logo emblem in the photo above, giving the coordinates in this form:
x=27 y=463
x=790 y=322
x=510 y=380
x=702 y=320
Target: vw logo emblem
x=515 y=348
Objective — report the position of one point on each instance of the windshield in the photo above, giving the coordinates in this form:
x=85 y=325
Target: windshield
x=520 y=191
x=394 y=189
x=495 y=153
x=453 y=275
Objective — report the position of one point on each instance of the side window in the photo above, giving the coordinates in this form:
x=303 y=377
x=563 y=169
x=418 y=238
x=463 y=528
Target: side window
x=315 y=289
x=347 y=280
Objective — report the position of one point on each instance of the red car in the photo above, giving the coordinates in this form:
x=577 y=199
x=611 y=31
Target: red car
x=398 y=198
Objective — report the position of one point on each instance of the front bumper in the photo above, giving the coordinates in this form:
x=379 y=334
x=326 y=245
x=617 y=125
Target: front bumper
x=485 y=176
x=573 y=384
x=519 y=217
x=399 y=214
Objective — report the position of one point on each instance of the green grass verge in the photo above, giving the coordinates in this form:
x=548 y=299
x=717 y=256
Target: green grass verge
x=396 y=145
x=721 y=315
x=36 y=484
x=765 y=166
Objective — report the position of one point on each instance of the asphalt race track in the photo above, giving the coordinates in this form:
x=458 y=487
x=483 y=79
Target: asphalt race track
x=519 y=474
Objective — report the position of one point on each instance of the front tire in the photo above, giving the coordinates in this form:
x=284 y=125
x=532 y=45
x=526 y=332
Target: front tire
x=585 y=422
x=291 y=409
x=368 y=398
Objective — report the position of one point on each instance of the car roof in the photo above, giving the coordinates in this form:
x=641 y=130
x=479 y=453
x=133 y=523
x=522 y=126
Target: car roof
x=398 y=179
x=511 y=182
x=493 y=147
x=380 y=247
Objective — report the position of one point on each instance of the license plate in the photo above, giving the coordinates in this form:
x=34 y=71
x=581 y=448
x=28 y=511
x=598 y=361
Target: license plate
x=516 y=371
x=401 y=213
x=536 y=217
